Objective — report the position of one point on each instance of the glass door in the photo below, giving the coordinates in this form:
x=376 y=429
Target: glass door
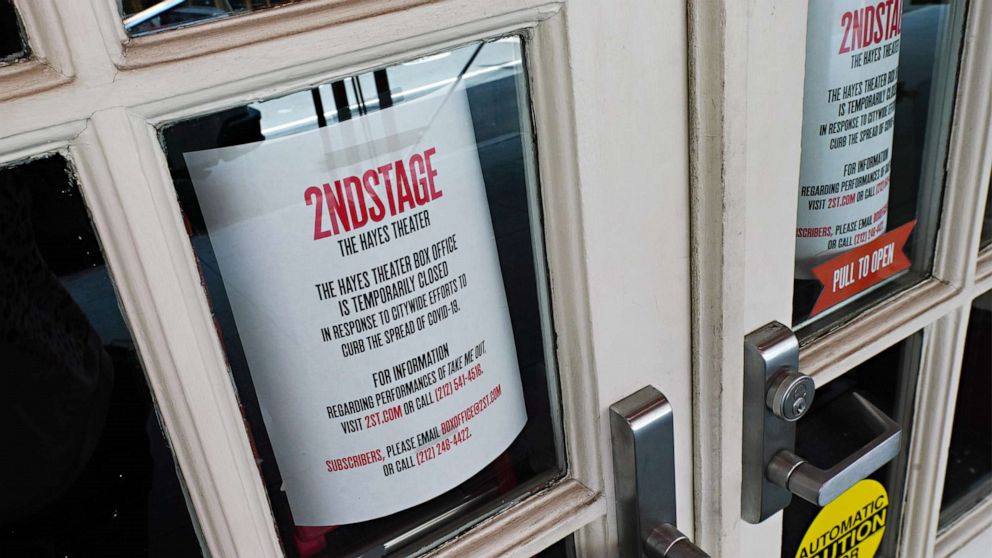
x=866 y=242
x=385 y=265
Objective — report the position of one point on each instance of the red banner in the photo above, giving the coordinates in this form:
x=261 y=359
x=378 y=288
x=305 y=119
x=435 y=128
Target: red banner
x=859 y=268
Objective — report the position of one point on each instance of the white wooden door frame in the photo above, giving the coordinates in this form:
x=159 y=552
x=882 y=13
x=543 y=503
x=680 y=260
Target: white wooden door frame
x=97 y=96
x=746 y=92
x=714 y=186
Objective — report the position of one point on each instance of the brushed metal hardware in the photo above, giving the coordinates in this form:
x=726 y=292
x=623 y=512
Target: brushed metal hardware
x=665 y=541
x=776 y=395
x=642 y=426
x=821 y=487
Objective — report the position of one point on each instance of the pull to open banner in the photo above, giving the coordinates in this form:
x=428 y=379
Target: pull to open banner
x=862 y=267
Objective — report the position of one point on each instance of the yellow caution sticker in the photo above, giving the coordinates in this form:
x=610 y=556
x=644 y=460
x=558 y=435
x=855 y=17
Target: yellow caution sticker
x=849 y=527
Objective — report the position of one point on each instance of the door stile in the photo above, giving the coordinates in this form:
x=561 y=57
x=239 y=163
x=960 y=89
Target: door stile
x=125 y=181
x=969 y=160
x=718 y=57
x=631 y=160
x=746 y=117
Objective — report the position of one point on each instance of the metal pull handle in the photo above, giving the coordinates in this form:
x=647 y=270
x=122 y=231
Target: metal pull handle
x=665 y=541
x=821 y=487
x=643 y=431
x=776 y=395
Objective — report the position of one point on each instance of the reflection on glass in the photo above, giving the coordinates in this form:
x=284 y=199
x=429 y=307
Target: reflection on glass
x=486 y=80
x=875 y=125
x=142 y=17
x=86 y=470
x=825 y=436
x=986 y=240
x=12 y=44
x=968 y=479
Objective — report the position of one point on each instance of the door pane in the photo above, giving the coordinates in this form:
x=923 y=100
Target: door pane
x=986 y=239
x=12 y=44
x=86 y=470
x=564 y=548
x=968 y=479
x=880 y=81
x=372 y=253
x=826 y=435
x=142 y=17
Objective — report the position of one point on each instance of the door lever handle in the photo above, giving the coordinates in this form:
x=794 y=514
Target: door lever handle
x=776 y=395
x=643 y=432
x=665 y=541
x=821 y=487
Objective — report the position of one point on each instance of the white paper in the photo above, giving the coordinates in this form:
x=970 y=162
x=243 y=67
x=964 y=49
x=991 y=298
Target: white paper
x=852 y=59
x=352 y=439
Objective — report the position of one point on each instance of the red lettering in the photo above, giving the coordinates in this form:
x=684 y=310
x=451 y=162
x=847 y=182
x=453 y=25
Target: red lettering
x=403 y=194
x=432 y=174
x=374 y=195
x=371 y=179
x=314 y=197
x=864 y=27
x=420 y=187
x=337 y=206
x=356 y=202
x=845 y=22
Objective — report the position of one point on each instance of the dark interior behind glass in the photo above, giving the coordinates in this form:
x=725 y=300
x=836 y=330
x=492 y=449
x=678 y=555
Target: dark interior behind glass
x=86 y=469
x=968 y=478
x=825 y=436
x=12 y=44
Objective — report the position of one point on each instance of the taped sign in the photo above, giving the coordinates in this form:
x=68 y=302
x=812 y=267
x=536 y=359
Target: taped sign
x=851 y=526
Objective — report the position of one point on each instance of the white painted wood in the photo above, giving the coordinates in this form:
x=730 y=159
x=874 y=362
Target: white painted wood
x=869 y=334
x=49 y=64
x=668 y=147
x=744 y=173
x=975 y=548
x=622 y=220
x=968 y=537
x=718 y=57
x=969 y=162
x=940 y=371
x=533 y=525
x=764 y=190
x=46 y=33
x=122 y=176
x=616 y=330
x=983 y=275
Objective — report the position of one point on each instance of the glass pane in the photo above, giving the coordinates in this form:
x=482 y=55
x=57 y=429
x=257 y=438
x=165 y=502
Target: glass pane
x=372 y=253
x=564 y=548
x=86 y=470
x=142 y=17
x=12 y=44
x=986 y=240
x=879 y=86
x=968 y=479
x=826 y=435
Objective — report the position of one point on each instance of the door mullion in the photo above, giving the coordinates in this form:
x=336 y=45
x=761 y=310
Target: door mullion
x=940 y=370
x=134 y=209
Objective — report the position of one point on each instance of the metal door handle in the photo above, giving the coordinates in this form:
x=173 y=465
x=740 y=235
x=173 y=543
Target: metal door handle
x=665 y=541
x=776 y=395
x=643 y=431
x=821 y=487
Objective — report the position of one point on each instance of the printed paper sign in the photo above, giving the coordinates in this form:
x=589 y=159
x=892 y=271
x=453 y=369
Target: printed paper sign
x=362 y=271
x=865 y=266
x=852 y=60
x=852 y=526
